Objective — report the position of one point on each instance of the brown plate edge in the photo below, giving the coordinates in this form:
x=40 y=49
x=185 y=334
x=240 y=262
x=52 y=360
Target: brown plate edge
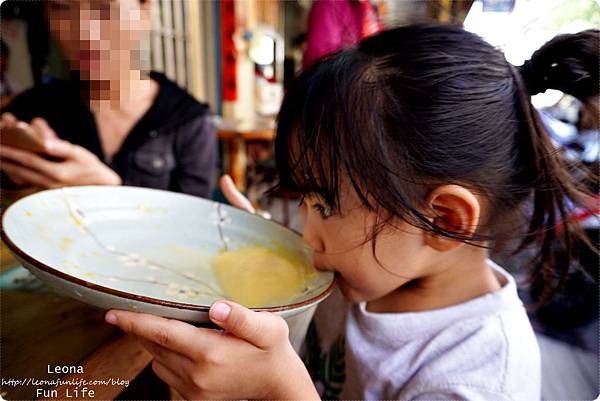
x=154 y=301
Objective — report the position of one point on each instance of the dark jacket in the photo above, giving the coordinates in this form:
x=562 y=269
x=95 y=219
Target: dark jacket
x=173 y=146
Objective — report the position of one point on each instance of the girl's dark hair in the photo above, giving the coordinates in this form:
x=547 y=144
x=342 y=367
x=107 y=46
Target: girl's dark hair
x=420 y=106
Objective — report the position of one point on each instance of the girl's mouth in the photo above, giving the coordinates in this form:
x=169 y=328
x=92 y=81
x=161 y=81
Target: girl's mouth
x=322 y=268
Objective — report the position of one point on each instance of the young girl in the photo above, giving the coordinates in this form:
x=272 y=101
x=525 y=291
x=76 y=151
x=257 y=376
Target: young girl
x=415 y=151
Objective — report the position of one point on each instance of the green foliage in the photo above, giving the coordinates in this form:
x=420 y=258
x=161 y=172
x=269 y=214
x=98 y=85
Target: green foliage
x=585 y=12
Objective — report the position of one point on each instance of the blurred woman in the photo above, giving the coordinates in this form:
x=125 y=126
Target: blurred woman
x=112 y=123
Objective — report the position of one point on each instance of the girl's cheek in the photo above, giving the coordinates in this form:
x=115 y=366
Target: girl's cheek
x=303 y=211
x=313 y=234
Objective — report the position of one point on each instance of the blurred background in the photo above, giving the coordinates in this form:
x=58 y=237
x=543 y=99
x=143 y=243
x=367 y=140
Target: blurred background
x=239 y=55
x=222 y=52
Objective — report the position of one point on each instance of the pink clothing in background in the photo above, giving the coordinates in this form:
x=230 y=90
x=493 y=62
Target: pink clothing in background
x=335 y=24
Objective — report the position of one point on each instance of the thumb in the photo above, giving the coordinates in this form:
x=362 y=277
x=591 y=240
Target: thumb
x=263 y=329
x=233 y=196
x=43 y=129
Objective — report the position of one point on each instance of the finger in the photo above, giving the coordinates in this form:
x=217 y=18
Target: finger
x=60 y=148
x=176 y=395
x=175 y=361
x=262 y=329
x=43 y=129
x=9 y=119
x=167 y=375
x=168 y=333
x=15 y=179
x=233 y=196
x=22 y=175
x=31 y=161
x=174 y=381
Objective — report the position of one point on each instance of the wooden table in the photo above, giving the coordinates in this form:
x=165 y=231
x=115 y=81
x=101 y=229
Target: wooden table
x=235 y=135
x=40 y=329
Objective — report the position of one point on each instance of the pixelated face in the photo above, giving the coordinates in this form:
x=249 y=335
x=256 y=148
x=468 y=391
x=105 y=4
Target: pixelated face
x=3 y=64
x=100 y=38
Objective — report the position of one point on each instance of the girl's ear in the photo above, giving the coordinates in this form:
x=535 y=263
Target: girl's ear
x=455 y=209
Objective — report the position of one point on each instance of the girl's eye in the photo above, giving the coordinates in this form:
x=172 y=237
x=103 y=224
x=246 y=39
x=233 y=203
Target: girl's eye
x=324 y=211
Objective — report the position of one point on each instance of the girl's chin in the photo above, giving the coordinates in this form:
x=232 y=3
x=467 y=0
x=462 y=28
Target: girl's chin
x=349 y=293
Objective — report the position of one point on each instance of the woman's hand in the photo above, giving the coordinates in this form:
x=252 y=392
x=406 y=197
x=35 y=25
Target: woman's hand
x=252 y=359
x=73 y=164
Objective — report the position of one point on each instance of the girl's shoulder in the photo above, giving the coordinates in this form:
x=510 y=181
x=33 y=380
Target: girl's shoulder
x=495 y=354
x=485 y=346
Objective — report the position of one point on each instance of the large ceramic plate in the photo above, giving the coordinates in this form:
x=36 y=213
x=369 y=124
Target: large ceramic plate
x=143 y=249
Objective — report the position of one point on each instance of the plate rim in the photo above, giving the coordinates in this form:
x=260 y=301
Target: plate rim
x=143 y=298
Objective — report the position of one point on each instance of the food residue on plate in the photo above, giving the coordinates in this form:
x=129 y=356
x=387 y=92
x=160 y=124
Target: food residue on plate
x=256 y=276
x=65 y=244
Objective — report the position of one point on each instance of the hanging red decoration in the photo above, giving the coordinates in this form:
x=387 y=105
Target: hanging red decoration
x=228 y=51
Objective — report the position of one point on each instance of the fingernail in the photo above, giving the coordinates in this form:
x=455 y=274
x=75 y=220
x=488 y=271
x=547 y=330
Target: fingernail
x=220 y=311
x=111 y=318
x=49 y=144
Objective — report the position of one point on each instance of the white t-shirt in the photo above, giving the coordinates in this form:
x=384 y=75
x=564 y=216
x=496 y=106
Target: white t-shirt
x=483 y=349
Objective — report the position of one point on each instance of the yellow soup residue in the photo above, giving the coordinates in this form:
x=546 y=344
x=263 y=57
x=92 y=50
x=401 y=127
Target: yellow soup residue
x=256 y=276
